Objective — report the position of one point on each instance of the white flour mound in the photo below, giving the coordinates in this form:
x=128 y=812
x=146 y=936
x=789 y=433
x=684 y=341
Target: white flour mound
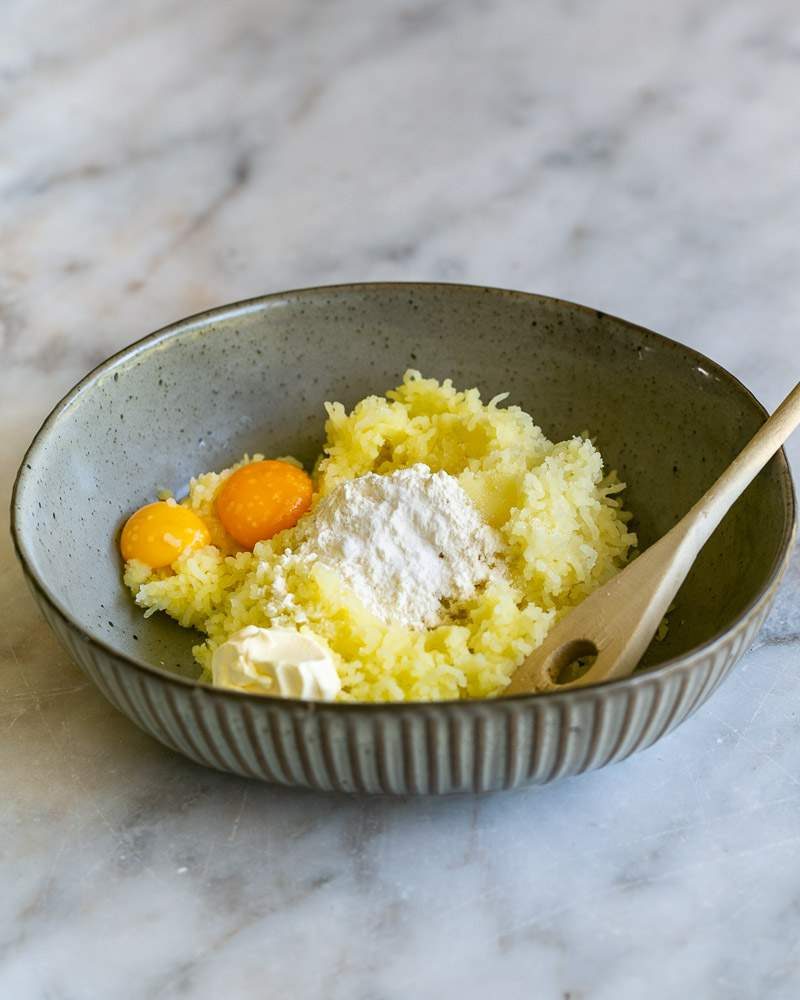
x=403 y=543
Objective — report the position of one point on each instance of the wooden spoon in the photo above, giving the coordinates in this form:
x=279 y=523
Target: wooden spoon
x=617 y=622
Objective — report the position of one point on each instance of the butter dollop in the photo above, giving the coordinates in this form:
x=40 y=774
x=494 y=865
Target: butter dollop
x=278 y=662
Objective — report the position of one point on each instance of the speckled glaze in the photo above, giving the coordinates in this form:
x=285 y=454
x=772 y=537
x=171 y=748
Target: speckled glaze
x=253 y=376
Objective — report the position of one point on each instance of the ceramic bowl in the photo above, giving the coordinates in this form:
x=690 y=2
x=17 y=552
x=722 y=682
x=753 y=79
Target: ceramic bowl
x=253 y=377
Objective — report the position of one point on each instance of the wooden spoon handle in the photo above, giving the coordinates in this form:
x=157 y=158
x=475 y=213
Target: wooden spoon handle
x=703 y=519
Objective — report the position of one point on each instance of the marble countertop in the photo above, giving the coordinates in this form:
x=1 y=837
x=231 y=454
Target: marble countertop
x=160 y=157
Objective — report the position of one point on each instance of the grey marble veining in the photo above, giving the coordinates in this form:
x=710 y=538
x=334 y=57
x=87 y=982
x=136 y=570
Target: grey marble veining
x=159 y=158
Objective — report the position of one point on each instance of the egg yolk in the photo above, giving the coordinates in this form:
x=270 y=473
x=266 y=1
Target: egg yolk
x=261 y=499
x=157 y=534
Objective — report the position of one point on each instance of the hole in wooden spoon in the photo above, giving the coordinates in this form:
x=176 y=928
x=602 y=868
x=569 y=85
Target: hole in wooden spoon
x=572 y=661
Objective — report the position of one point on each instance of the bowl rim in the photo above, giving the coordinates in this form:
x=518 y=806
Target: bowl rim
x=243 y=307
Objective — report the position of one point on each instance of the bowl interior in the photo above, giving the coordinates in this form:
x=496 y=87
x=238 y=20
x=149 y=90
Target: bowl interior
x=254 y=377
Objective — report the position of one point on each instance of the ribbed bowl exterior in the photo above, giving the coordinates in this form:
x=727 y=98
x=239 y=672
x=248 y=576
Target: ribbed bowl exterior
x=412 y=749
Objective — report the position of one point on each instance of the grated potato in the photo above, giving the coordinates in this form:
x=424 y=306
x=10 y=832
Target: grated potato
x=559 y=517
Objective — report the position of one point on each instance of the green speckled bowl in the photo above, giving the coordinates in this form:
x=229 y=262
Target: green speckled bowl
x=254 y=376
